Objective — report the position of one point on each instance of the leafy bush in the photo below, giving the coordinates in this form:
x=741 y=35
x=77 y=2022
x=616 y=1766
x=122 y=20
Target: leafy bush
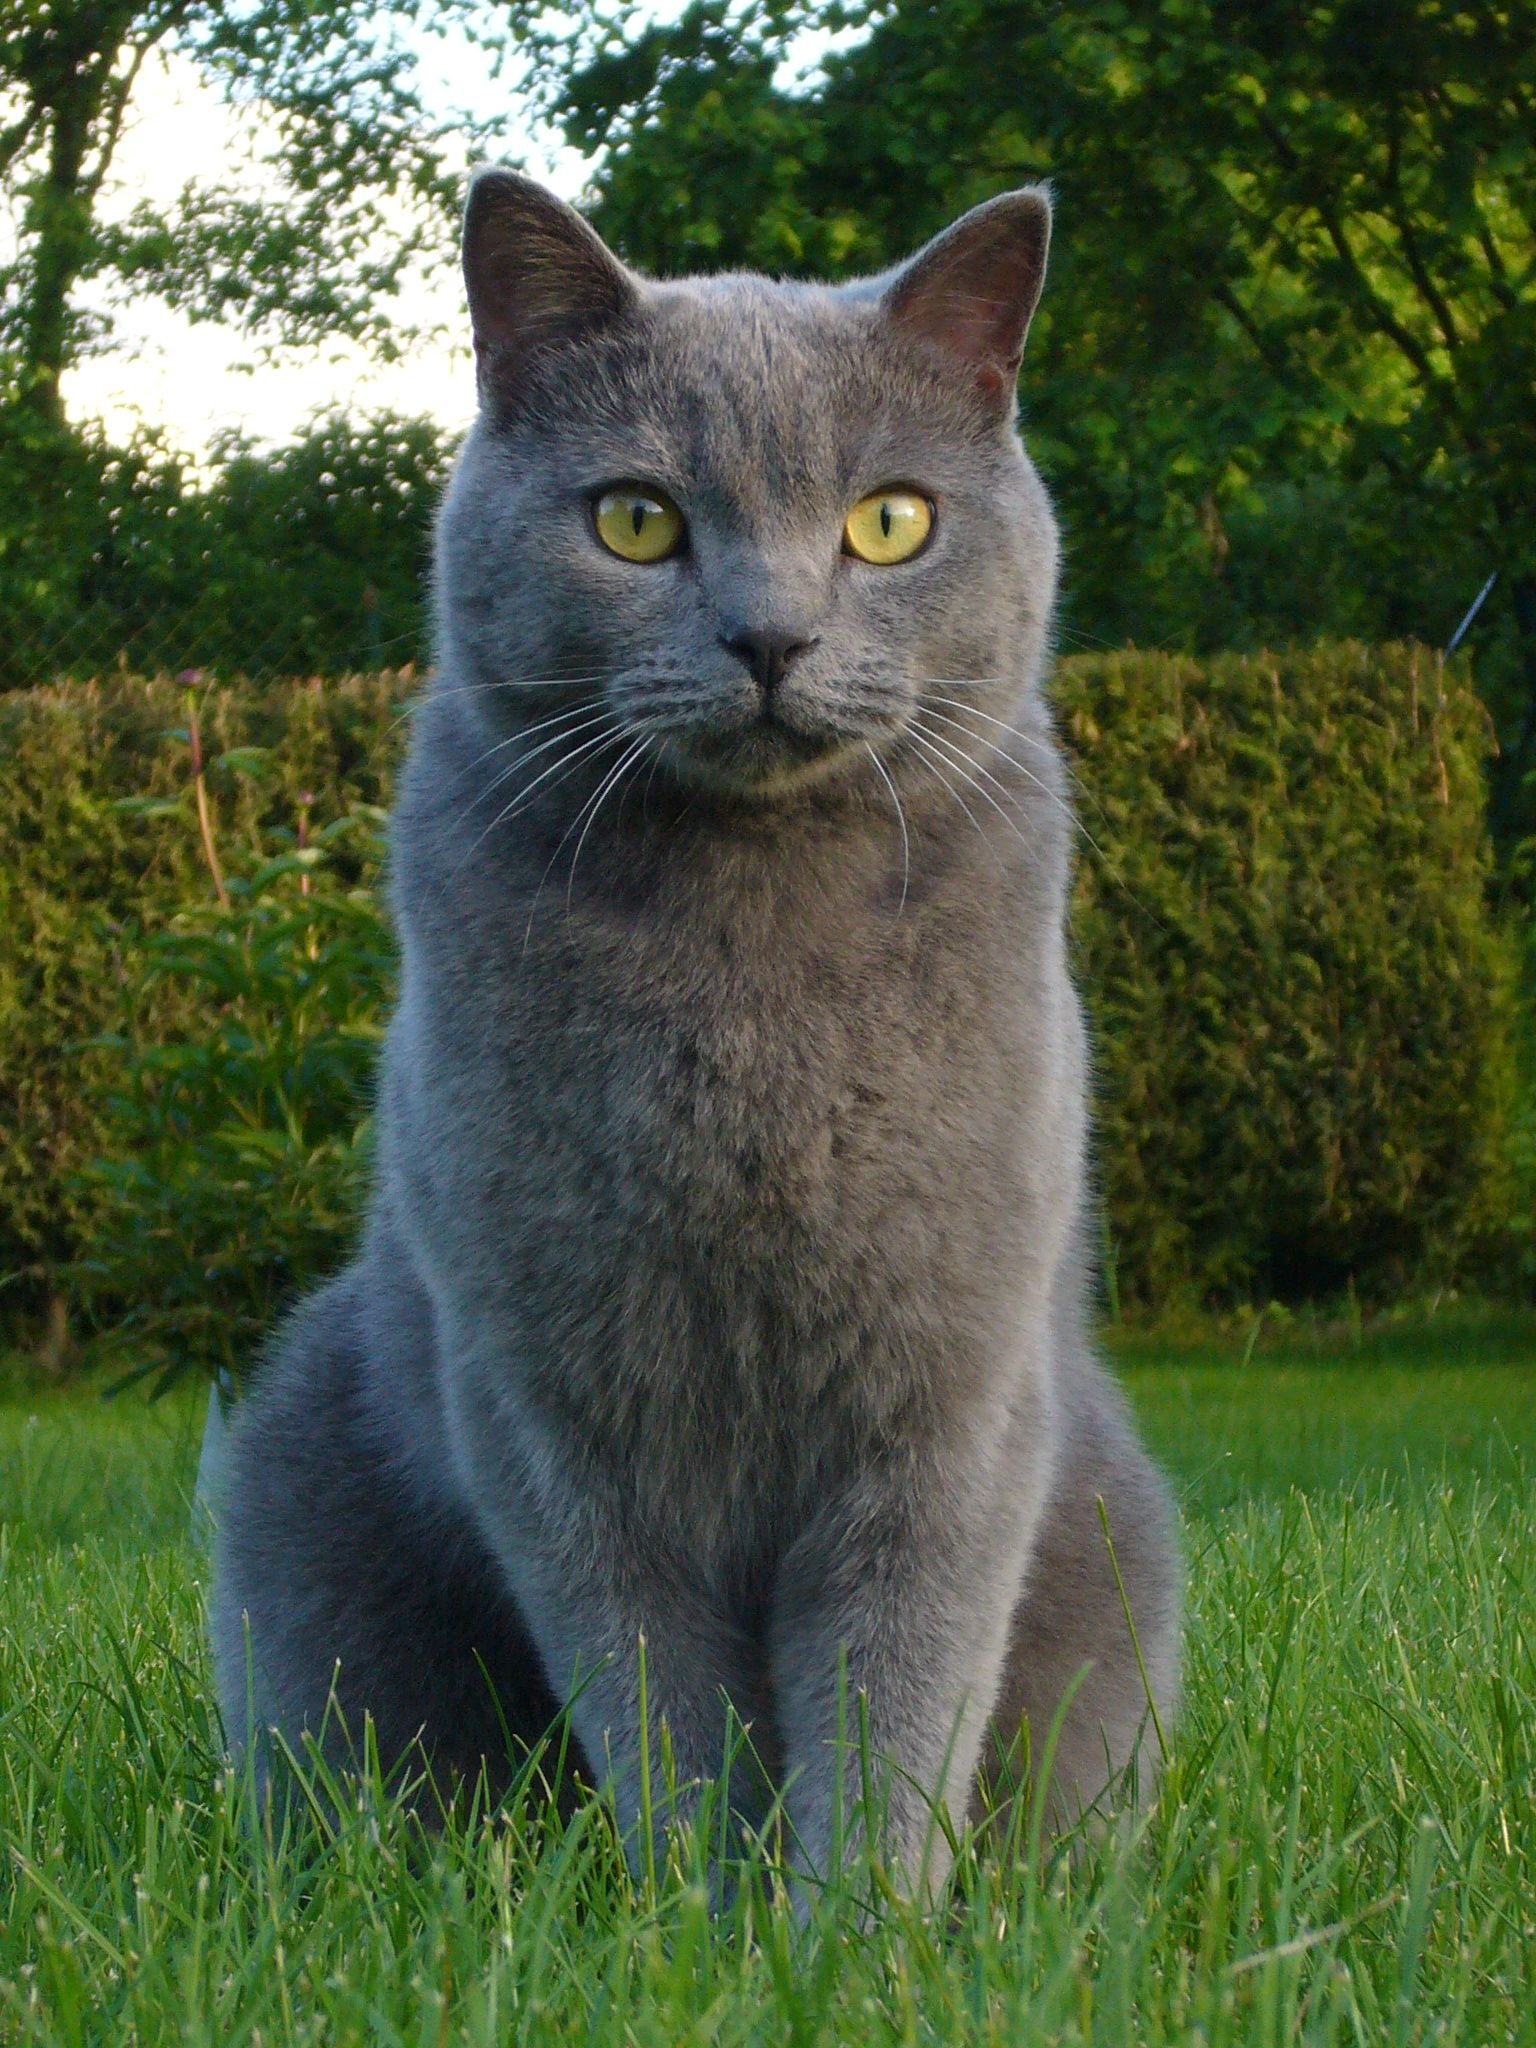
x=305 y=559
x=1303 y=1011
x=239 y=1153
x=85 y=875
x=1301 y=1005
x=1523 y=1141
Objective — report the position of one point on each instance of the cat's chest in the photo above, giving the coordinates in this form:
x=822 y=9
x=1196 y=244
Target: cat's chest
x=729 y=1151
x=777 y=1077
x=763 y=1101
x=770 y=1093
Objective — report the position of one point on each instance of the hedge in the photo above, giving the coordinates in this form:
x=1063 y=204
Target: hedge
x=1301 y=1007
x=85 y=871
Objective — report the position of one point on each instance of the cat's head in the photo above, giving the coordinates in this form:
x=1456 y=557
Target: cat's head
x=751 y=530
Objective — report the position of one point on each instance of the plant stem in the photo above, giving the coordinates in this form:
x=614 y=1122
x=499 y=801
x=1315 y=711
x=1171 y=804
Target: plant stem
x=204 y=812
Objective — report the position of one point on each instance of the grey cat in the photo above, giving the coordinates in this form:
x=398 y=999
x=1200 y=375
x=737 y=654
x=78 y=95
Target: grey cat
x=723 y=1281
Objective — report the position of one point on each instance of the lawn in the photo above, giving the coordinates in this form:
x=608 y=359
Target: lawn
x=1342 y=1849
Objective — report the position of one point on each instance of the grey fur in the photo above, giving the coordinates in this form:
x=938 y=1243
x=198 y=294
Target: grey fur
x=722 y=1280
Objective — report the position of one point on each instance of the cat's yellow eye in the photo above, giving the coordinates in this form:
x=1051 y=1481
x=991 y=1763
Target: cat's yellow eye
x=637 y=522
x=888 y=527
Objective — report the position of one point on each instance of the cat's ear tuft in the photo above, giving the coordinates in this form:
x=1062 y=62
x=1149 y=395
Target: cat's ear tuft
x=536 y=275
x=972 y=291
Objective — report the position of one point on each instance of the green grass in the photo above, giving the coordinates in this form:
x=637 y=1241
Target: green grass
x=1342 y=1849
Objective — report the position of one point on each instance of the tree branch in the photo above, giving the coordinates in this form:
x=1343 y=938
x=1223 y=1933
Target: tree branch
x=116 y=94
x=1273 y=359
x=1498 y=274
x=15 y=138
x=1398 y=211
x=1379 y=312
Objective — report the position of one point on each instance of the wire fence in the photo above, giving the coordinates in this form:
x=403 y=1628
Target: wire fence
x=261 y=636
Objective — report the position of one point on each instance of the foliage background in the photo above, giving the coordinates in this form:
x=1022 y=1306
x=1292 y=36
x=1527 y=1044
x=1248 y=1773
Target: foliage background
x=100 y=851
x=1280 y=382
x=304 y=560
x=1281 y=377
x=1302 y=1007
x=1281 y=385
x=1302 y=1004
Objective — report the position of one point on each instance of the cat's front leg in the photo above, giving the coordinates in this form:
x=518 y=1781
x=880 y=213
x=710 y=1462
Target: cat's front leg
x=659 y=1695
x=629 y=1637
x=889 y=1638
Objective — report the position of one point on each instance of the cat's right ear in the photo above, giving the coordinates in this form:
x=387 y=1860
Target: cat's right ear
x=971 y=293
x=536 y=275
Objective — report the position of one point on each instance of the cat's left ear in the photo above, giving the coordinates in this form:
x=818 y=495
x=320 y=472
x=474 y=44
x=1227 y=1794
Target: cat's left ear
x=972 y=291
x=536 y=275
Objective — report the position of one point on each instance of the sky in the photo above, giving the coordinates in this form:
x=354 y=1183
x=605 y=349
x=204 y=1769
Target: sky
x=197 y=381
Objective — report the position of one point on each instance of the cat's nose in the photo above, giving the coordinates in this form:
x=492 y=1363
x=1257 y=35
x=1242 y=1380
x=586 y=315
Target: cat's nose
x=769 y=656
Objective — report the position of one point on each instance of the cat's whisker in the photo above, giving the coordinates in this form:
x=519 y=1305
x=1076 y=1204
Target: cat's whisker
x=645 y=799
x=995 y=748
x=1093 y=640
x=615 y=776
x=927 y=683
x=1109 y=866
x=1029 y=775
x=938 y=769
x=514 y=803
x=568 y=762
x=962 y=764
x=591 y=715
x=975 y=710
x=577 y=711
x=1030 y=740
x=562 y=681
x=668 y=719
x=1041 y=746
x=517 y=804
x=436 y=689
x=614 y=739
x=901 y=819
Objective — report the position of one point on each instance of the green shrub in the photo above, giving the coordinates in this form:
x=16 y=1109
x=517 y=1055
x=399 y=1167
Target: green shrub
x=298 y=560
x=1301 y=1006
x=1523 y=1146
x=239 y=1153
x=1302 y=1009
x=84 y=875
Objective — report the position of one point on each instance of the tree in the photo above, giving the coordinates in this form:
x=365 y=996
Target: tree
x=1283 y=376
x=356 y=184
x=113 y=553
x=306 y=559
